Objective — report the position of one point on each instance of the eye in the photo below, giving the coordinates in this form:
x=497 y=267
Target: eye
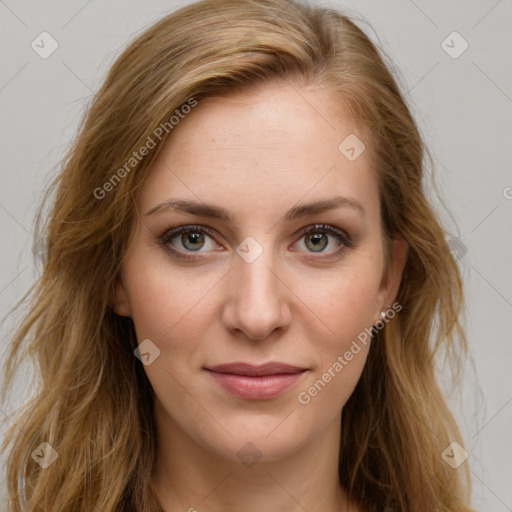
x=186 y=239
x=182 y=242
x=316 y=239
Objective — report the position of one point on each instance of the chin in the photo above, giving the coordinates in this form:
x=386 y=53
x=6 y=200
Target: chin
x=266 y=438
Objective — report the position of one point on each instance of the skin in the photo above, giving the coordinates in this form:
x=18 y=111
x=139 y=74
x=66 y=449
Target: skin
x=256 y=154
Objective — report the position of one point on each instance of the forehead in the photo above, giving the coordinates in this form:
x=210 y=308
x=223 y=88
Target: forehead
x=272 y=145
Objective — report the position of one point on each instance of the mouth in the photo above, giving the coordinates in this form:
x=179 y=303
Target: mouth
x=256 y=382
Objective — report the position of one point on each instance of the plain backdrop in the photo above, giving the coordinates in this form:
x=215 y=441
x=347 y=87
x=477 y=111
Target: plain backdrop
x=462 y=100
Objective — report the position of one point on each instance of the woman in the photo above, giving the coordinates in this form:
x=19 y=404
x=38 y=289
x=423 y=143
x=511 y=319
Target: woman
x=244 y=287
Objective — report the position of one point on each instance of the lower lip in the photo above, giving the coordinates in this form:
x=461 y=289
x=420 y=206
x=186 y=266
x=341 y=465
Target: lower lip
x=256 y=388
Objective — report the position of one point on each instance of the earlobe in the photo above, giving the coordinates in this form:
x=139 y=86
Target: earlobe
x=120 y=302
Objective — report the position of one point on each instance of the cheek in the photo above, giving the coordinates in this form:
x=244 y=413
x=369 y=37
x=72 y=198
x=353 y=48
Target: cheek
x=345 y=304
x=165 y=301
x=340 y=356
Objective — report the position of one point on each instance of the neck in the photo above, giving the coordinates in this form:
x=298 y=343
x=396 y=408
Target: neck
x=191 y=478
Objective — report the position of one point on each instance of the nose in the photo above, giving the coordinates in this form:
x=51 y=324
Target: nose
x=257 y=297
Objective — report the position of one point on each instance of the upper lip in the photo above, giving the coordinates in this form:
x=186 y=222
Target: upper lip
x=261 y=370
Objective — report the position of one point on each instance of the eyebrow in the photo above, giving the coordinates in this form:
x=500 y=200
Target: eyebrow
x=216 y=212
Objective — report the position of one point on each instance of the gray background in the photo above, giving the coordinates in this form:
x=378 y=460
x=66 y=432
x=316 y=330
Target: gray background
x=463 y=106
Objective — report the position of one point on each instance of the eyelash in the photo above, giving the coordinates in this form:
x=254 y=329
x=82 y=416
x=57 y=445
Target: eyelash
x=170 y=234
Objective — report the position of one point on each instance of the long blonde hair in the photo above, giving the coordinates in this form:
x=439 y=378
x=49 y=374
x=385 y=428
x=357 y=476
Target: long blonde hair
x=94 y=402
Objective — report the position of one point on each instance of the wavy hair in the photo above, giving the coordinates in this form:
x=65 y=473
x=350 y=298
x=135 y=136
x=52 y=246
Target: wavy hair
x=94 y=403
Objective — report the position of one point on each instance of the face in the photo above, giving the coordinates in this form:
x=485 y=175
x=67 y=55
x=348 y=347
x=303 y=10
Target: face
x=253 y=308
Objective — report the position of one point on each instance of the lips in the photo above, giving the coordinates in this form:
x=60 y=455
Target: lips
x=256 y=382
x=256 y=371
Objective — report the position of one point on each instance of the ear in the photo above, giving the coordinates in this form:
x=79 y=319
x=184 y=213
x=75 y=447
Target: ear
x=120 y=301
x=393 y=275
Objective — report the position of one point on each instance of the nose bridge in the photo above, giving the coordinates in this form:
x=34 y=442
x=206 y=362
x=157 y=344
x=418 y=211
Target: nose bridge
x=259 y=304
x=256 y=267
